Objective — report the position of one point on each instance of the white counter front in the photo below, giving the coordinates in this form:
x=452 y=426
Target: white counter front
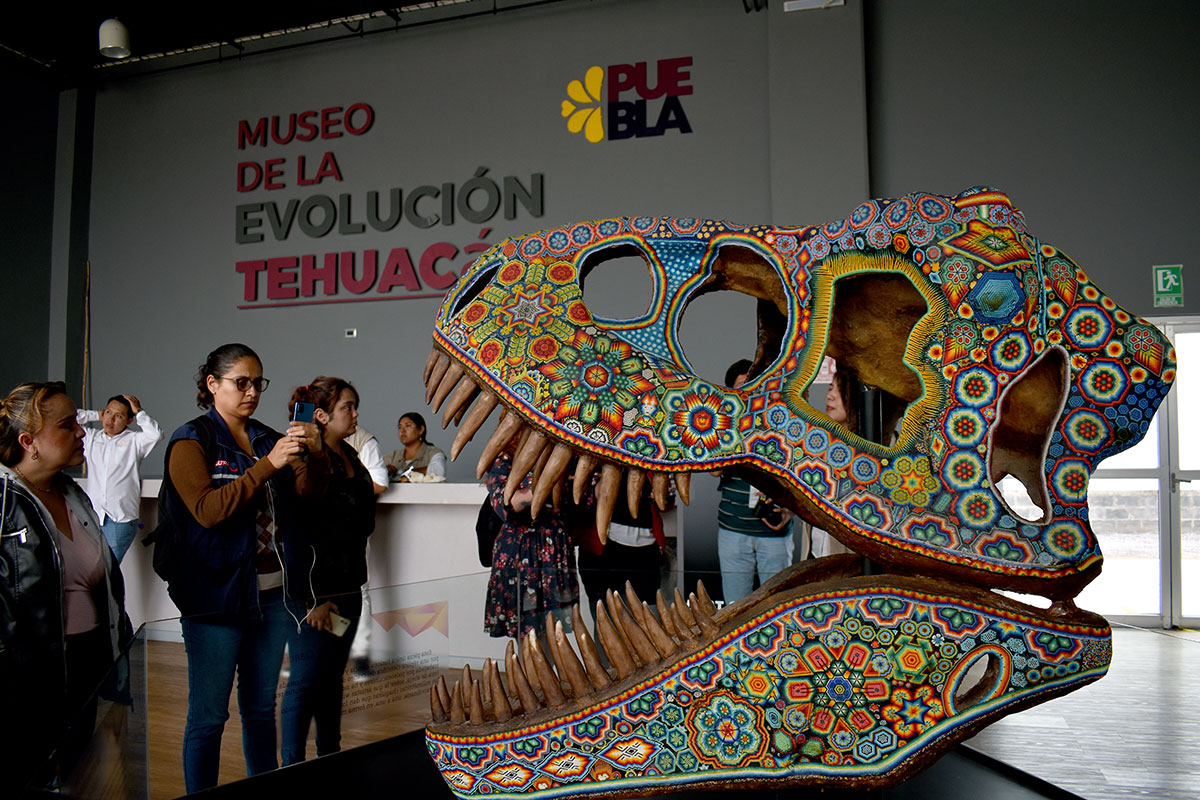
x=426 y=587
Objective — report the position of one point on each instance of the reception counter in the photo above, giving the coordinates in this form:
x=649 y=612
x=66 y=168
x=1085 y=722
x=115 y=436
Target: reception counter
x=426 y=587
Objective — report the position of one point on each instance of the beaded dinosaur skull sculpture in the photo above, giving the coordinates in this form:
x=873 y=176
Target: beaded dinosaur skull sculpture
x=1010 y=362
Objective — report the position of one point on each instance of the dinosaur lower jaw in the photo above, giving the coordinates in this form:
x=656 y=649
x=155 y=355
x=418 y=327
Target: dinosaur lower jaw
x=822 y=676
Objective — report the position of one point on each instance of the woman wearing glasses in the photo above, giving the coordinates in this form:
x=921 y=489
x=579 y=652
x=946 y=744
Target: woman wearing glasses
x=231 y=493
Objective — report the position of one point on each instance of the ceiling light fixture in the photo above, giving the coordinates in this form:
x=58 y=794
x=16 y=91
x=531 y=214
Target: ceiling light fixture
x=114 y=39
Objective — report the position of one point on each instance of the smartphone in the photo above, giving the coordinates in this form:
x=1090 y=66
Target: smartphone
x=303 y=412
x=338 y=623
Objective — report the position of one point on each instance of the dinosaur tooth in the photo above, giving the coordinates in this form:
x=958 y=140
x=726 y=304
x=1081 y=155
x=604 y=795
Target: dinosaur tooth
x=476 y=706
x=662 y=641
x=665 y=612
x=569 y=664
x=606 y=497
x=682 y=611
x=635 y=604
x=538 y=466
x=525 y=658
x=464 y=393
x=610 y=599
x=508 y=427
x=429 y=364
x=480 y=411
x=523 y=461
x=585 y=465
x=516 y=674
x=551 y=687
x=597 y=674
x=659 y=487
x=436 y=711
x=457 y=715
x=637 y=637
x=683 y=487
x=635 y=482
x=703 y=620
x=556 y=656
x=449 y=381
x=501 y=708
x=484 y=684
x=435 y=376
x=682 y=629
x=618 y=654
x=702 y=593
x=510 y=652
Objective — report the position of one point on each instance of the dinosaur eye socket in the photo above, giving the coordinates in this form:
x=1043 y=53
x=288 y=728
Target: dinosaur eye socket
x=616 y=283
x=870 y=327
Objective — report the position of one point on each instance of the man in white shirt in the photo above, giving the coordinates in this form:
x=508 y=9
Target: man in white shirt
x=367 y=447
x=114 y=454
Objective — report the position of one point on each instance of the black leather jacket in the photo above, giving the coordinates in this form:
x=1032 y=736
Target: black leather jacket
x=33 y=672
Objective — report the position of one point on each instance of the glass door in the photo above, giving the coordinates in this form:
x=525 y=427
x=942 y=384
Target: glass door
x=1184 y=478
x=1144 y=505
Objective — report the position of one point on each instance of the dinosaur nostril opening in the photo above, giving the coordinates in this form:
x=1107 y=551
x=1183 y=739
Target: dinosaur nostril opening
x=1029 y=408
x=616 y=282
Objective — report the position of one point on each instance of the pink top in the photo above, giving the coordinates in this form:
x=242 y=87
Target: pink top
x=83 y=569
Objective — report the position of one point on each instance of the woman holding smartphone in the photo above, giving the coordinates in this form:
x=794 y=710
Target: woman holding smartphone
x=338 y=524
x=232 y=490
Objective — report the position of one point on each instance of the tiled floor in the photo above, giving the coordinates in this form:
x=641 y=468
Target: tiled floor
x=1134 y=733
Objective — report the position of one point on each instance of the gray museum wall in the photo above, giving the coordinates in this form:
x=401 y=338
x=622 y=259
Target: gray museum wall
x=1084 y=113
x=781 y=110
x=26 y=210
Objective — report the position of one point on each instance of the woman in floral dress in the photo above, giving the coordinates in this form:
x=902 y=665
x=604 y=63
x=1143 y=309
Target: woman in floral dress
x=533 y=561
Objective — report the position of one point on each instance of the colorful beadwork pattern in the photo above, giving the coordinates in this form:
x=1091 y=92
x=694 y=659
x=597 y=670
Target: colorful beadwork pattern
x=842 y=685
x=998 y=301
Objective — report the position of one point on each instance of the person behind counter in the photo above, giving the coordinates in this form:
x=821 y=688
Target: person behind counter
x=62 y=598
x=338 y=524
x=418 y=455
x=233 y=486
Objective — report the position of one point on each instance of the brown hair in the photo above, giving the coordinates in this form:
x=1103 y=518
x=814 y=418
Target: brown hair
x=23 y=412
x=323 y=392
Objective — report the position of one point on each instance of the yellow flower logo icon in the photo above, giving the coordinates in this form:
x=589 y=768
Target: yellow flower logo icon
x=583 y=114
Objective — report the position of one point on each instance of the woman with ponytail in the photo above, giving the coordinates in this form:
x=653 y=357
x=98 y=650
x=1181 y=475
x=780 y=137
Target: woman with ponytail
x=233 y=488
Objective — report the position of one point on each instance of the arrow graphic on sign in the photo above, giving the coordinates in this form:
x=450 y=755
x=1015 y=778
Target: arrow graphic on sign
x=417 y=619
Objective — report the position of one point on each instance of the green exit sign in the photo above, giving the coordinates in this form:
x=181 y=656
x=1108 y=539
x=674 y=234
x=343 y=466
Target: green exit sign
x=1168 y=286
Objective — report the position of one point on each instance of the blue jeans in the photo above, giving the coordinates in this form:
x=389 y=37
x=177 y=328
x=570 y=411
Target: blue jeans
x=120 y=536
x=740 y=554
x=216 y=651
x=316 y=662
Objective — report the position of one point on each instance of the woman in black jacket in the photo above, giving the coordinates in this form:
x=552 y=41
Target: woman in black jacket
x=338 y=524
x=62 y=600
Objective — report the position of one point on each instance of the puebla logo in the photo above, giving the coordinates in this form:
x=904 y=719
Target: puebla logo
x=622 y=102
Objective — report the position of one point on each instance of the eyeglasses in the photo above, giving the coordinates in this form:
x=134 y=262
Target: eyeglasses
x=243 y=383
